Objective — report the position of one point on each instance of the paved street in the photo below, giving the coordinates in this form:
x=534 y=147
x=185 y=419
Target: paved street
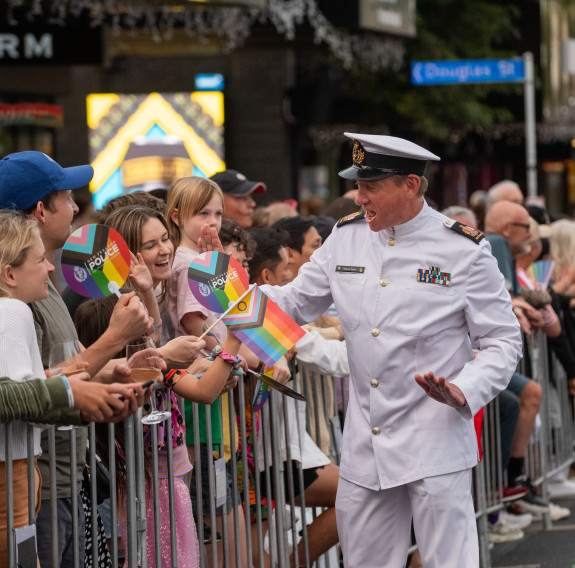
x=554 y=548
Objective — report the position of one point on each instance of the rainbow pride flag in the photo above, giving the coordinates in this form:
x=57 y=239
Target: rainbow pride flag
x=263 y=327
x=93 y=257
x=217 y=280
x=540 y=272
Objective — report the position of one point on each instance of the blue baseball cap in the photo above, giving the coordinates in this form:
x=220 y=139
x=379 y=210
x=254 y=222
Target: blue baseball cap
x=29 y=177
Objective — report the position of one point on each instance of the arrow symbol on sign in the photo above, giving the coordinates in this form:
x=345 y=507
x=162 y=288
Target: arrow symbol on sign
x=416 y=72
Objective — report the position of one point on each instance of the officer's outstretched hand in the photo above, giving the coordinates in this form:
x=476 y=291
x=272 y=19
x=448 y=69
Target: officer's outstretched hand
x=441 y=390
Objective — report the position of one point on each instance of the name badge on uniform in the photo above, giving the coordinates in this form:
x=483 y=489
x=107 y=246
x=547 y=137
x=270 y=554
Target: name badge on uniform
x=356 y=269
x=434 y=276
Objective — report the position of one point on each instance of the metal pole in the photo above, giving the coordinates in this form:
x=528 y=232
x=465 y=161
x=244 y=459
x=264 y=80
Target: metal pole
x=11 y=541
x=171 y=498
x=155 y=495
x=140 y=491
x=131 y=539
x=74 y=493
x=93 y=490
x=530 y=136
x=113 y=492
x=53 y=495
x=245 y=469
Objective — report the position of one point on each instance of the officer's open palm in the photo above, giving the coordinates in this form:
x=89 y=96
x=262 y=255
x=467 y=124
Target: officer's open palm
x=441 y=390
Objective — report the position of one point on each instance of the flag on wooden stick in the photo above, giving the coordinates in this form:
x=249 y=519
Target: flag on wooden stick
x=263 y=327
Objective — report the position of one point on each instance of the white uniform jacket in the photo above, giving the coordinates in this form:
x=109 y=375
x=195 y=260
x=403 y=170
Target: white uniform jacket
x=395 y=327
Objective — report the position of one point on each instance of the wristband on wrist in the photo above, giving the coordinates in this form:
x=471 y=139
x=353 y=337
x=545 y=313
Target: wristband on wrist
x=68 y=391
x=234 y=361
x=172 y=377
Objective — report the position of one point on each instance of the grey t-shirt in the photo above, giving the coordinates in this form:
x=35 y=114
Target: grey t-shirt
x=53 y=324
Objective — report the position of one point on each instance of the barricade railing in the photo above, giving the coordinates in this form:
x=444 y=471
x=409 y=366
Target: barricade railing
x=252 y=516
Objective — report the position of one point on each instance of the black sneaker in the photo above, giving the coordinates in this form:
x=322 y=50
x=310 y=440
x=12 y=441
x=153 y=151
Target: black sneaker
x=208 y=535
x=532 y=502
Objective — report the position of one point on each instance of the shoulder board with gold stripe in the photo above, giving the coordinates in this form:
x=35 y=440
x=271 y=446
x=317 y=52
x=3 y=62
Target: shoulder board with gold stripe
x=474 y=234
x=351 y=218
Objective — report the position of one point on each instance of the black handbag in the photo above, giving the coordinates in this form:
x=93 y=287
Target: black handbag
x=102 y=481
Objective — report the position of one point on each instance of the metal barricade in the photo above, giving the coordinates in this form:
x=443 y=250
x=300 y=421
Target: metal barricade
x=551 y=446
x=262 y=525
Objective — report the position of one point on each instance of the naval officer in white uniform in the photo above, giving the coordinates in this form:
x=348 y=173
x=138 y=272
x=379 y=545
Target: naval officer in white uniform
x=415 y=291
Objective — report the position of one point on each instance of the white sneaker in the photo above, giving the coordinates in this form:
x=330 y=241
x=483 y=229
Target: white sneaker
x=563 y=488
x=556 y=512
x=503 y=532
x=517 y=521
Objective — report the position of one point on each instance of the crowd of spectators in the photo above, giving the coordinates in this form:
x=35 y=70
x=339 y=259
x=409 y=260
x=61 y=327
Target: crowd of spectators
x=272 y=243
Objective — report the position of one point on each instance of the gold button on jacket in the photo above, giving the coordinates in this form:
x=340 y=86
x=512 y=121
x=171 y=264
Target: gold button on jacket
x=375 y=332
x=375 y=431
x=374 y=383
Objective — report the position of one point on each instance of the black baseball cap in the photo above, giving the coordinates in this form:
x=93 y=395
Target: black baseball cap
x=233 y=182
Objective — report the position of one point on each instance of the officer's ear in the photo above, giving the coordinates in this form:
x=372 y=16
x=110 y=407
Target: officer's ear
x=412 y=185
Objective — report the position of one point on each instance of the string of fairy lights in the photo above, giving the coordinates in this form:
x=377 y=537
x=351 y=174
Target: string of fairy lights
x=231 y=25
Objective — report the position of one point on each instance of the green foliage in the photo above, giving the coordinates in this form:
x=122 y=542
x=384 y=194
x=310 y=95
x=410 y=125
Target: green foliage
x=450 y=29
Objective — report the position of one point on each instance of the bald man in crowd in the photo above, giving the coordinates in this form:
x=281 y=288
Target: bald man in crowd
x=510 y=220
x=507 y=228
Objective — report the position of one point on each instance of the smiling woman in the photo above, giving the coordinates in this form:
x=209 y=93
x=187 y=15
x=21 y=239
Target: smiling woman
x=146 y=232
x=24 y=273
x=23 y=264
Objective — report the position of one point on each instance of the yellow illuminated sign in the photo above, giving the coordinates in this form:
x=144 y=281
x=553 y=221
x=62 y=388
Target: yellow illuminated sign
x=146 y=141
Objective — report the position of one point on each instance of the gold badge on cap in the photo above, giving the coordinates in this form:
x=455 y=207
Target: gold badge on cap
x=358 y=153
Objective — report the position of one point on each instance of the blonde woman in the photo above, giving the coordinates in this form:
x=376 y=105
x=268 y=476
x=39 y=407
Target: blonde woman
x=562 y=251
x=24 y=276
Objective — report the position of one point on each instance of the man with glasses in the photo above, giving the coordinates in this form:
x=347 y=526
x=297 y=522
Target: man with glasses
x=507 y=229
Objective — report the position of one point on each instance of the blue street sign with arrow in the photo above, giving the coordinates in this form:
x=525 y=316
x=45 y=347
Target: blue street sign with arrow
x=467 y=71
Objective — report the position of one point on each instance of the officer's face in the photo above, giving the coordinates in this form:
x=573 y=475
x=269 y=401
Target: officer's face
x=387 y=204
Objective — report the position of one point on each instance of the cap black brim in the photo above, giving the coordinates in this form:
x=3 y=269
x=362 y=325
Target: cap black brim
x=247 y=188
x=366 y=174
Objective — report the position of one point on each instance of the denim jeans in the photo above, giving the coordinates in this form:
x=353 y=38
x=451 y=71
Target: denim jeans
x=509 y=406
x=65 y=535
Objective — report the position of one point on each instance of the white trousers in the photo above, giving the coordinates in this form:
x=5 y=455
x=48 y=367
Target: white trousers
x=374 y=526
